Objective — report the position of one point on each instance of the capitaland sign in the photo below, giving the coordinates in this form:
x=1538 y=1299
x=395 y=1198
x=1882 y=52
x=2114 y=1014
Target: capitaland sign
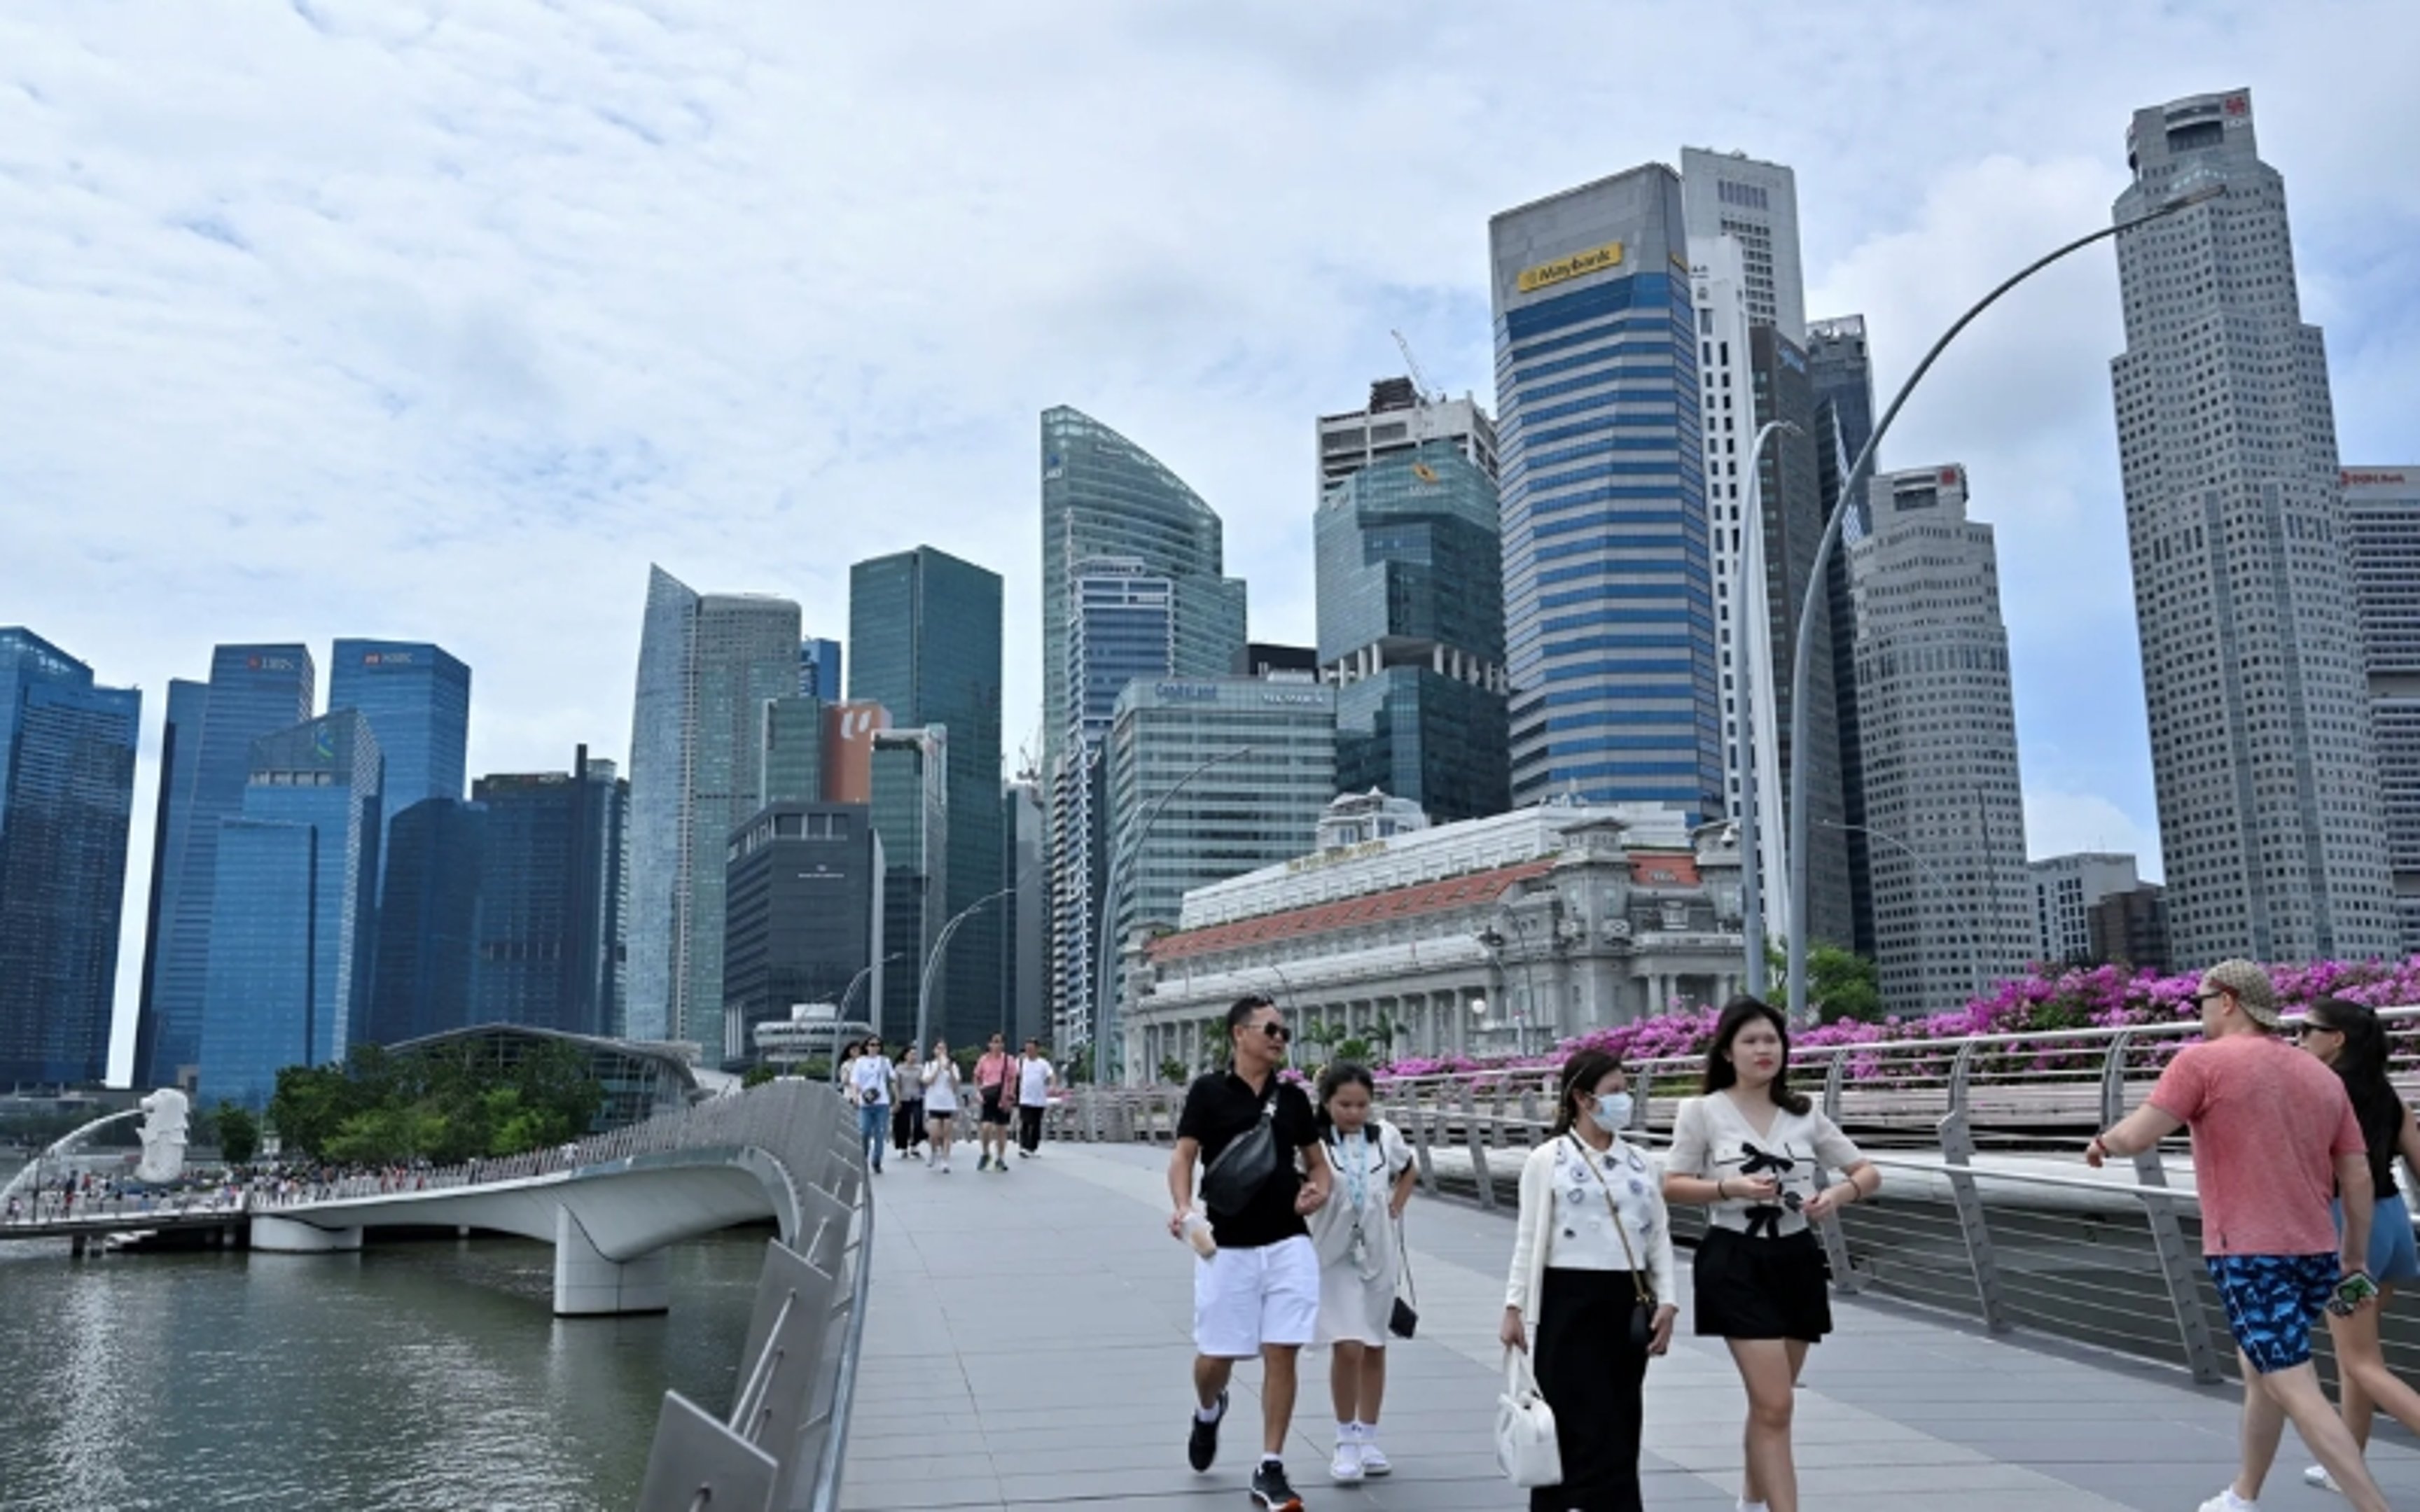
x=1562 y=270
x=2372 y=480
x=1187 y=692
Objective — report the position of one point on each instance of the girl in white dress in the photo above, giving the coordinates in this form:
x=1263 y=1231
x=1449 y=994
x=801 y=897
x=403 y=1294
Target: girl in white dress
x=940 y=1103
x=1360 y=1261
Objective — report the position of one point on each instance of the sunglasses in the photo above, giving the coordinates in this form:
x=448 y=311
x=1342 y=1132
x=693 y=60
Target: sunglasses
x=1278 y=1032
x=2309 y=1027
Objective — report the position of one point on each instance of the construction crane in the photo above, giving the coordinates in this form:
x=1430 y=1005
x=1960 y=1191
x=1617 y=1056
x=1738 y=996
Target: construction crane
x=1412 y=366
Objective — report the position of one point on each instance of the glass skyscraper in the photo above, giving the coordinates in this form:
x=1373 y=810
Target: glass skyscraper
x=287 y=981
x=253 y=692
x=417 y=699
x=819 y=669
x=1608 y=604
x=427 y=920
x=553 y=898
x=67 y=789
x=1841 y=371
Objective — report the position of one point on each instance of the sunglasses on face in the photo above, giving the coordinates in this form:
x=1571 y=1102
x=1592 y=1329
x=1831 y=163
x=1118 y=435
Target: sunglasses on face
x=2306 y=1030
x=1278 y=1032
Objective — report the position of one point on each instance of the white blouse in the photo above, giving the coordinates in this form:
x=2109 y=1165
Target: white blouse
x=1566 y=1222
x=1712 y=1140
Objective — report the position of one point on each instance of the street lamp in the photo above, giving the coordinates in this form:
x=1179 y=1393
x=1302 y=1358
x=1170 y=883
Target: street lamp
x=1752 y=650
x=933 y=961
x=1801 y=659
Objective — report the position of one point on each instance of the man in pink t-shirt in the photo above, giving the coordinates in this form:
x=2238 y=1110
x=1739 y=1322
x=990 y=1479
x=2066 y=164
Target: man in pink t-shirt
x=2274 y=1139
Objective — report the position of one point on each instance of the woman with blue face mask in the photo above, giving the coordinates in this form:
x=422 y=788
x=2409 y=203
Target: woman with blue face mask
x=1593 y=1269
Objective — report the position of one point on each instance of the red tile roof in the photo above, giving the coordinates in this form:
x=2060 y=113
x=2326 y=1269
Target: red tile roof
x=1295 y=923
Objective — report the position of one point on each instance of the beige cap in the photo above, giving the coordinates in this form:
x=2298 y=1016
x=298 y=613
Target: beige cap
x=2251 y=986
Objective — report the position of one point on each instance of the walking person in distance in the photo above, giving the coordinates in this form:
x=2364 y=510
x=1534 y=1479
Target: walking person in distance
x=1358 y=1235
x=1592 y=1268
x=1035 y=1077
x=2275 y=1135
x=940 y=1078
x=1263 y=1172
x=995 y=1085
x=1750 y=1149
x=907 y=1105
x=870 y=1078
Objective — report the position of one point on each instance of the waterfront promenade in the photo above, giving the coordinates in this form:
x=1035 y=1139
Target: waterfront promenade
x=1027 y=1340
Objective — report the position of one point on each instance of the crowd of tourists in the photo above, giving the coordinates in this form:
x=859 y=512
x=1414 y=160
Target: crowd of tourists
x=914 y=1106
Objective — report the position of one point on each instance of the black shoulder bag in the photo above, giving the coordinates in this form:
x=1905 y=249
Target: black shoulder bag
x=1244 y=1166
x=1642 y=1310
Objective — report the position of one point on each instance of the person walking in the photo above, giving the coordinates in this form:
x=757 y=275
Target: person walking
x=907 y=1104
x=2348 y=1039
x=1750 y=1150
x=1034 y=1078
x=869 y=1079
x=1592 y=1253
x=1358 y=1238
x=941 y=1077
x=995 y=1085
x=1257 y=1293
x=2269 y=1127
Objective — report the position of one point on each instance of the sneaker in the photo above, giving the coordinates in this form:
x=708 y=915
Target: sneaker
x=1374 y=1460
x=1203 y=1447
x=1271 y=1489
x=2318 y=1478
x=1346 y=1469
x=2227 y=1500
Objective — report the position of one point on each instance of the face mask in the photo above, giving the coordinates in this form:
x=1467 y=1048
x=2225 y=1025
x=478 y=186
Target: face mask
x=1613 y=1111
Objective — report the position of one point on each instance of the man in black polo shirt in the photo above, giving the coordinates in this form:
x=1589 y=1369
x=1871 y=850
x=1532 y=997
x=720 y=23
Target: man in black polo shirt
x=1259 y=1294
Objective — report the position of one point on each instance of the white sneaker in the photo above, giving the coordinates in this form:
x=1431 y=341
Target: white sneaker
x=1346 y=1468
x=1374 y=1460
x=2318 y=1478
x=2227 y=1500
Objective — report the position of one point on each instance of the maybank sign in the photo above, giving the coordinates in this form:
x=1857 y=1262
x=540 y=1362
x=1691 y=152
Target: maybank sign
x=1578 y=265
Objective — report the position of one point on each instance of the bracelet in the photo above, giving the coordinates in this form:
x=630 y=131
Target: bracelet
x=1721 y=1196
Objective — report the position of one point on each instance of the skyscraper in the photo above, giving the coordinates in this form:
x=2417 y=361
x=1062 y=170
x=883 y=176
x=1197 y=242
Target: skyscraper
x=417 y=699
x=924 y=639
x=2066 y=889
x=1401 y=418
x=819 y=669
x=708 y=663
x=1608 y=610
x=1842 y=372
x=67 y=791
x=254 y=691
x=2270 y=825
x=805 y=913
x=1026 y=843
x=553 y=899
x=1732 y=195
x=2383 y=538
x=434 y=857
x=289 y=979
x=1953 y=901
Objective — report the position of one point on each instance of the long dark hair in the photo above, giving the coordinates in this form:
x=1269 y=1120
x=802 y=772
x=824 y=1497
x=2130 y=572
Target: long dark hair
x=1580 y=1076
x=1738 y=1015
x=2362 y=1063
x=1336 y=1077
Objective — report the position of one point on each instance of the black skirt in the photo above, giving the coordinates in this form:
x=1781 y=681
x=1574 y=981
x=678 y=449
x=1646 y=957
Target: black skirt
x=1763 y=1289
x=1592 y=1375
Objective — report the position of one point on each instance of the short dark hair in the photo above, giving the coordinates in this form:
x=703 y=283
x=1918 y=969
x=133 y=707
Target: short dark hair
x=1720 y=1072
x=1580 y=1074
x=1245 y=1007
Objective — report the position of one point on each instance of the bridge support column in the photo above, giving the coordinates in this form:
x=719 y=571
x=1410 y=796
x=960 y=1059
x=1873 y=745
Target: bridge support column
x=285 y=1236
x=587 y=1284
x=79 y=1245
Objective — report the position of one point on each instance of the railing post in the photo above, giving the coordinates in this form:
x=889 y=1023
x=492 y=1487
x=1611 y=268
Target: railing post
x=2167 y=1231
x=1836 y=1238
x=1958 y=1160
x=1480 y=1171
x=1419 y=1118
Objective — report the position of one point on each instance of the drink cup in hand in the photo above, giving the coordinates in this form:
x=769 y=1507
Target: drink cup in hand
x=1196 y=1232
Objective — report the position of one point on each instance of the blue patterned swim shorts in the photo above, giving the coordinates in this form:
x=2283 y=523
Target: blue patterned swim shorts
x=2272 y=1303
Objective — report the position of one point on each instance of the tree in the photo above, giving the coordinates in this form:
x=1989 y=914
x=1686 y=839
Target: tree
x=1840 y=984
x=759 y=1073
x=1173 y=1070
x=239 y=1133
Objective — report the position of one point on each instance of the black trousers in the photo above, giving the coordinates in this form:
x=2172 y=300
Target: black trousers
x=1594 y=1378
x=908 y=1125
x=1029 y=1129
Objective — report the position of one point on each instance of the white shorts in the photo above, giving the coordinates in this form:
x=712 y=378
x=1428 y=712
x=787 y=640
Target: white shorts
x=1246 y=1298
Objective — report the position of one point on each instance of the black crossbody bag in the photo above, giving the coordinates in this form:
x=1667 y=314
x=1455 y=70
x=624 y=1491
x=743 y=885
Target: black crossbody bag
x=1244 y=1166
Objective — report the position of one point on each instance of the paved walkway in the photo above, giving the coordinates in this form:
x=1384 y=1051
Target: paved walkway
x=1028 y=1344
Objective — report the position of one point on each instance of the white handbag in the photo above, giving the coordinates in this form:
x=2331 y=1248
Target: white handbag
x=1525 y=1449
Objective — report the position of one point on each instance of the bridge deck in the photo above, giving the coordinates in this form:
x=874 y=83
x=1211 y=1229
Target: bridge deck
x=1026 y=1343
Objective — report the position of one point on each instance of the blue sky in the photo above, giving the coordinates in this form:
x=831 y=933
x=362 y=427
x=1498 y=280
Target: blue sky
x=443 y=320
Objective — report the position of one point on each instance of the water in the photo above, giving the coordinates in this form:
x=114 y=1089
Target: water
x=410 y=1376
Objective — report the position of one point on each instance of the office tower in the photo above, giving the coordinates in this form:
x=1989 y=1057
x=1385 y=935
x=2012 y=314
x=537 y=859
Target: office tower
x=1842 y=372
x=708 y=663
x=66 y=794
x=1755 y=204
x=1400 y=420
x=1608 y=611
x=417 y=699
x=2270 y=819
x=2066 y=889
x=288 y=981
x=253 y=692
x=427 y=920
x=1026 y=842
x=2381 y=523
x=819 y=669
x=1953 y=909
x=793 y=760
x=804 y=916
x=909 y=786
x=924 y=642
x=1267 y=659
x=1409 y=572
x=180 y=743
x=553 y=899
x=2131 y=928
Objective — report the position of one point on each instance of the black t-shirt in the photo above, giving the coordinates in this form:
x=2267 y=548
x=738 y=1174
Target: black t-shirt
x=1220 y=1108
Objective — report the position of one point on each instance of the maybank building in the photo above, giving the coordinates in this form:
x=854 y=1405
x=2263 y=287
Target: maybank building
x=1608 y=599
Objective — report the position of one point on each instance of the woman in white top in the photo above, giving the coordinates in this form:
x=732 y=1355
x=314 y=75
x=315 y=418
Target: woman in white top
x=1360 y=1262
x=1593 y=1263
x=940 y=1103
x=1752 y=1149
x=869 y=1088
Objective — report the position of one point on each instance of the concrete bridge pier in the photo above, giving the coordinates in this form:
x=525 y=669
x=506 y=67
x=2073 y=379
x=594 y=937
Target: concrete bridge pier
x=587 y=1284
x=285 y=1236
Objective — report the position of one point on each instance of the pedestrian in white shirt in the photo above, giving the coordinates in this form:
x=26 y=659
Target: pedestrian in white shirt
x=869 y=1081
x=940 y=1103
x=1034 y=1078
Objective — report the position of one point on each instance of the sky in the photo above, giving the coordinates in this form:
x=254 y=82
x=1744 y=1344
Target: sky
x=443 y=321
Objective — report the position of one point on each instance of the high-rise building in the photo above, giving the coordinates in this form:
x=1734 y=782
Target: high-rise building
x=793 y=762
x=819 y=669
x=708 y=663
x=1841 y=371
x=925 y=639
x=2066 y=889
x=2132 y=929
x=288 y=983
x=553 y=899
x=417 y=699
x=909 y=771
x=253 y=692
x=427 y=920
x=1608 y=600
x=1026 y=843
x=1732 y=195
x=1268 y=658
x=1953 y=903
x=67 y=793
x=2383 y=539
x=804 y=916
x=1400 y=419
x=2270 y=821
x=1409 y=573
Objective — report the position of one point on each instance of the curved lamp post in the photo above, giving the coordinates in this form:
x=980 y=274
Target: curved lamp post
x=1802 y=652
x=1752 y=652
x=933 y=961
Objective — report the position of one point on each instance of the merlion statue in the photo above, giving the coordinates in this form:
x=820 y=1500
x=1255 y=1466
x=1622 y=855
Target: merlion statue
x=164 y=1136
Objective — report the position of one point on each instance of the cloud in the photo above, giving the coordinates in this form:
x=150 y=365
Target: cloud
x=2062 y=824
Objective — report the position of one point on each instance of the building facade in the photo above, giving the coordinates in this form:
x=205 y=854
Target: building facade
x=1502 y=934
x=909 y=791
x=2383 y=539
x=1608 y=599
x=1756 y=204
x=2066 y=889
x=435 y=861
x=819 y=669
x=1953 y=905
x=708 y=663
x=553 y=899
x=417 y=699
x=67 y=797
x=2271 y=828
x=2132 y=929
x=1841 y=371
x=805 y=915
x=1025 y=841
x=1402 y=420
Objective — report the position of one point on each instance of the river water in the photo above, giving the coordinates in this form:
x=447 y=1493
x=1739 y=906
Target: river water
x=427 y=1375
